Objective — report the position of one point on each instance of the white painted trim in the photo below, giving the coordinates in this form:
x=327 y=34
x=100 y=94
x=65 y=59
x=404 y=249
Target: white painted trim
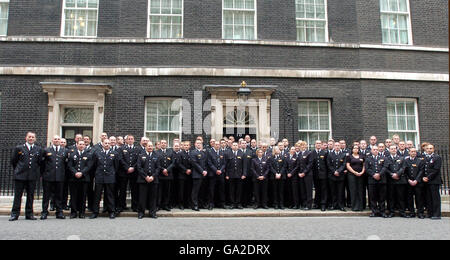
x=416 y=111
x=219 y=72
x=51 y=39
x=63 y=21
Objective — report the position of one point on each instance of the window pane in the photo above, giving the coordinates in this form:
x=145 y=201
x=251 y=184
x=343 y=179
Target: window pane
x=249 y=33
x=393 y=5
x=239 y=4
x=411 y=120
x=410 y=108
x=163 y=123
x=313 y=108
x=81 y=3
x=401 y=121
x=303 y=123
x=239 y=18
x=155 y=6
x=163 y=107
x=249 y=4
x=154 y=31
x=174 y=123
x=239 y=32
x=401 y=110
x=228 y=32
x=403 y=5
x=303 y=108
x=4 y=10
x=151 y=122
x=392 y=123
x=384 y=5
x=250 y=19
x=228 y=3
x=303 y=136
x=78 y=116
x=92 y=3
x=324 y=123
x=313 y=123
x=70 y=3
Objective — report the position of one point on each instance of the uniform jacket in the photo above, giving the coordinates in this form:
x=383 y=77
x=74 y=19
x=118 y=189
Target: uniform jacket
x=54 y=164
x=336 y=163
x=148 y=165
x=80 y=163
x=319 y=164
x=235 y=165
x=184 y=164
x=278 y=166
x=291 y=166
x=216 y=162
x=395 y=165
x=414 y=168
x=199 y=160
x=166 y=162
x=26 y=163
x=106 y=166
x=260 y=168
x=432 y=169
x=128 y=159
x=375 y=165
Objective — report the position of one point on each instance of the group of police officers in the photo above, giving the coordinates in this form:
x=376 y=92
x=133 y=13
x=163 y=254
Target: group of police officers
x=227 y=173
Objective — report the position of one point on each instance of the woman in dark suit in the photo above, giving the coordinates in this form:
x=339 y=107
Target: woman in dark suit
x=260 y=170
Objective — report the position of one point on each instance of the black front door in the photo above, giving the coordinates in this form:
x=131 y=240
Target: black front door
x=69 y=132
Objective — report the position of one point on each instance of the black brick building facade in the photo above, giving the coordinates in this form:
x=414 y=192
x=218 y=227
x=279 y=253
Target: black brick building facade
x=358 y=99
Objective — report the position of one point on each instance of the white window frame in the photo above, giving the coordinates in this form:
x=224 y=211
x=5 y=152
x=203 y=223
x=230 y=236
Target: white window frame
x=329 y=118
x=63 y=20
x=416 y=111
x=180 y=132
x=240 y=10
x=315 y=20
x=7 y=17
x=63 y=109
x=408 y=13
x=148 y=20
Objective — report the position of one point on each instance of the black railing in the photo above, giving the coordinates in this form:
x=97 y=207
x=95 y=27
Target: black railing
x=7 y=180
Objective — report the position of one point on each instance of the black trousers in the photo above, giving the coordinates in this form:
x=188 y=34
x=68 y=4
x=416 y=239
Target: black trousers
x=337 y=189
x=78 y=193
x=235 y=191
x=164 y=193
x=321 y=192
x=278 y=192
x=416 y=194
x=19 y=188
x=91 y=194
x=396 y=191
x=65 y=194
x=148 y=193
x=433 y=196
x=219 y=182
x=56 y=189
x=108 y=201
x=306 y=190
x=260 y=188
x=357 y=194
x=247 y=192
x=377 y=195
x=184 y=192
x=196 y=185
x=122 y=187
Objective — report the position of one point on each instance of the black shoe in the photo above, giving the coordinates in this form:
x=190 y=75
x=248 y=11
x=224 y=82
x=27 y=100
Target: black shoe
x=281 y=207
x=256 y=207
x=421 y=216
x=30 y=218
x=391 y=215
x=154 y=216
x=331 y=208
x=112 y=215
x=373 y=215
x=82 y=216
x=181 y=207
x=240 y=207
x=412 y=215
x=195 y=208
x=384 y=215
x=104 y=211
x=316 y=207
x=141 y=215
x=93 y=216
x=265 y=207
x=404 y=215
x=306 y=208
x=43 y=216
x=60 y=216
x=343 y=210
x=52 y=208
x=435 y=218
x=73 y=215
x=66 y=208
x=211 y=207
x=166 y=209
x=13 y=218
x=324 y=208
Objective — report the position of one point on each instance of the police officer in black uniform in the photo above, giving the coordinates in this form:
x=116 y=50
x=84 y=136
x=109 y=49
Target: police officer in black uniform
x=128 y=175
x=184 y=175
x=216 y=175
x=377 y=182
x=396 y=182
x=320 y=173
x=166 y=165
x=414 y=171
x=26 y=161
x=235 y=175
x=147 y=180
x=54 y=176
x=247 y=186
x=79 y=167
x=336 y=177
x=278 y=178
x=305 y=176
x=106 y=164
x=433 y=181
x=199 y=162
x=292 y=178
x=260 y=170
